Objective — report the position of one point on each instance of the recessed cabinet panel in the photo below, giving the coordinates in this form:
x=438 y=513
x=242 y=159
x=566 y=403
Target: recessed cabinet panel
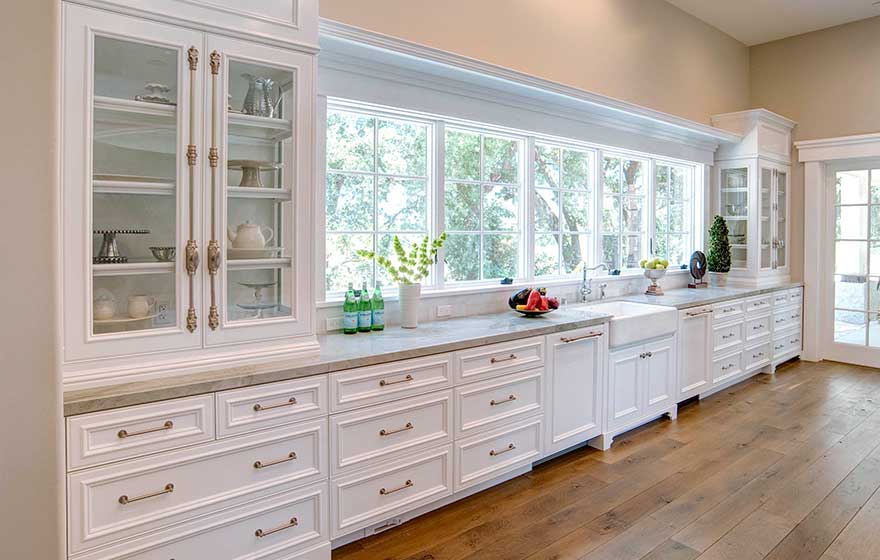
x=660 y=373
x=695 y=333
x=626 y=387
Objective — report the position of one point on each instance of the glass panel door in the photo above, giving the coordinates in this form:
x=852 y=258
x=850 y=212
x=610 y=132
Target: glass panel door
x=781 y=216
x=765 y=226
x=735 y=210
x=134 y=202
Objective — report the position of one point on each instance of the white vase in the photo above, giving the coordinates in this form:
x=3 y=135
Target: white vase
x=719 y=279
x=409 y=304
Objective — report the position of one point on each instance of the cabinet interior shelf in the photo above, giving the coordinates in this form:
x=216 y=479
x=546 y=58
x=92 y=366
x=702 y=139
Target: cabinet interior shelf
x=133 y=187
x=256 y=192
x=735 y=189
x=263 y=128
x=256 y=264
x=735 y=217
x=136 y=267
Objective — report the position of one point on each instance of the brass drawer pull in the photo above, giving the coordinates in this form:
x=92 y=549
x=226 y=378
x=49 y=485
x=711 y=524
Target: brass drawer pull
x=566 y=340
x=780 y=347
x=258 y=407
x=507 y=359
x=757 y=327
x=122 y=434
x=169 y=488
x=699 y=313
x=407 y=484
x=780 y=321
x=406 y=379
x=726 y=336
x=261 y=465
x=510 y=398
x=292 y=523
x=384 y=432
x=758 y=355
x=510 y=447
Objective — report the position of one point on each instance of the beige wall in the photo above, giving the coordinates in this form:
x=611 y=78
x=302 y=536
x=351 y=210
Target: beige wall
x=644 y=51
x=829 y=82
x=30 y=413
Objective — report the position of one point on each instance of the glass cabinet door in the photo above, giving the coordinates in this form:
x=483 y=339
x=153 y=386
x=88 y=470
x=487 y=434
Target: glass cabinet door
x=765 y=224
x=258 y=98
x=781 y=212
x=127 y=183
x=734 y=201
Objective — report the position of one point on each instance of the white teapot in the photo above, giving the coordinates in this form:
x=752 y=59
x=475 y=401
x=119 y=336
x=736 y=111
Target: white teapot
x=250 y=236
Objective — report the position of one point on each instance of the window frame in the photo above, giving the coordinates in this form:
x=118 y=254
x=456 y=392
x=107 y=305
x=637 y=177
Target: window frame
x=436 y=193
x=689 y=214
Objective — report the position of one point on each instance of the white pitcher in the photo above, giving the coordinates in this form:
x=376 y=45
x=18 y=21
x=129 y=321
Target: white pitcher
x=250 y=236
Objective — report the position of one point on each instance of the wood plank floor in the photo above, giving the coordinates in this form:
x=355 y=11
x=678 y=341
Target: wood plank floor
x=777 y=467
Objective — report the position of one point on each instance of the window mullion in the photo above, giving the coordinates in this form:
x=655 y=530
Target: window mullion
x=648 y=218
x=599 y=213
x=437 y=203
x=527 y=218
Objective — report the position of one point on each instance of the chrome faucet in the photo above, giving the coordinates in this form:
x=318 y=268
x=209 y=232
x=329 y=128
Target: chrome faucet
x=587 y=283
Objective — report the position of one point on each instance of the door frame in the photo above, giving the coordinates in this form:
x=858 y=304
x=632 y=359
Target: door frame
x=821 y=158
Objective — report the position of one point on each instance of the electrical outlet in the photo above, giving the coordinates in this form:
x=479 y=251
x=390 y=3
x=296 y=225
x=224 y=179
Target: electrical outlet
x=444 y=310
x=333 y=324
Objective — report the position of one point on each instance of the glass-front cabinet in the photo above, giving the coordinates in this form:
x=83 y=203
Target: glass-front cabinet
x=186 y=199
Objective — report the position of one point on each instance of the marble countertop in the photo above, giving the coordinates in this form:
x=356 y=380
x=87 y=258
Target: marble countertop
x=339 y=352
x=684 y=298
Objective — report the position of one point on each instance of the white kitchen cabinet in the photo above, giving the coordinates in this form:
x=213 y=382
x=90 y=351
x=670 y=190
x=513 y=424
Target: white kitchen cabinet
x=695 y=351
x=574 y=386
x=752 y=195
x=641 y=385
x=168 y=146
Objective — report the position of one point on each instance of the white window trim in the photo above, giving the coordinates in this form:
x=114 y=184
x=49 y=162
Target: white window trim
x=436 y=285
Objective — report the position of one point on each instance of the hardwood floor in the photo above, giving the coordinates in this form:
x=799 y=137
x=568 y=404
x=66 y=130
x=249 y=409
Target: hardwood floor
x=783 y=467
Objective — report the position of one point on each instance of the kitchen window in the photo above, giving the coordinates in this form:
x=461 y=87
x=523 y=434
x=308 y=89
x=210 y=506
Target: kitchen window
x=624 y=194
x=673 y=212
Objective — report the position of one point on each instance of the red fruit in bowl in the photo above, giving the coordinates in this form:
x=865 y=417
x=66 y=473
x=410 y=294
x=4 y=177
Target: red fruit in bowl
x=534 y=300
x=553 y=302
x=543 y=305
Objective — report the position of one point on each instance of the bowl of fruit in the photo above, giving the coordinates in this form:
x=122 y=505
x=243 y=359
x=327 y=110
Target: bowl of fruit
x=655 y=269
x=533 y=302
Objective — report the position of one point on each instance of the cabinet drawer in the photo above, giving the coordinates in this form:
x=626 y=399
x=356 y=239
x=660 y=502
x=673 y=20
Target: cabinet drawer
x=728 y=310
x=796 y=295
x=486 y=456
x=371 y=496
x=757 y=328
x=102 y=437
x=502 y=399
x=293 y=525
x=498 y=359
x=787 y=317
x=126 y=499
x=726 y=337
x=780 y=298
x=366 y=436
x=759 y=304
x=378 y=384
x=786 y=344
x=266 y=406
x=756 y=356
x=726 y=367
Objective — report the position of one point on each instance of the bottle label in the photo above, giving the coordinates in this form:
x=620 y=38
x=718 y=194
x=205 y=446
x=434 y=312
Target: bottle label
x=364 y=318
x=378 y=317
x=350 y=320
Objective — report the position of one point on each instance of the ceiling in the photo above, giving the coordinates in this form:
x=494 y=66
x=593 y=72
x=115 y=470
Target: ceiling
x=758 y=21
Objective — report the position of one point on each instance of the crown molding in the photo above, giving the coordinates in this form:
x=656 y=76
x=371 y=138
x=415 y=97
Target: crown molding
x=841 y=147
x=338 y=39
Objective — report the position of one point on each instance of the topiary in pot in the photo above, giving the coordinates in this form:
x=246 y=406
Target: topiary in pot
x=718 y=259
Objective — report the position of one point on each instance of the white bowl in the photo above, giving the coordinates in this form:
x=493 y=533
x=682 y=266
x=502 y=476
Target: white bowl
x=655 y=273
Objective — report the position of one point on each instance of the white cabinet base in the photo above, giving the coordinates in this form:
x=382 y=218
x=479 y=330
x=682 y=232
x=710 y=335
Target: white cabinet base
x=604 y=441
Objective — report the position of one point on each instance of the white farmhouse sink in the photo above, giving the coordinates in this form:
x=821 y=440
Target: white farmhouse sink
x=633 y=322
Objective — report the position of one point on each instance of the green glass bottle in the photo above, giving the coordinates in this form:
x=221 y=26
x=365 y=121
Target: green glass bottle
x=378 y=305
x=350 y=312
x=365 y=314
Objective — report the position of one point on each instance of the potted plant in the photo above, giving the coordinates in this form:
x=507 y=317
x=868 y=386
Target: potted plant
x=718 y=259
x=411 y=268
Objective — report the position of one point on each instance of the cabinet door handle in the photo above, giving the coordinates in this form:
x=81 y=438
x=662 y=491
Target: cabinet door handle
x=192 y=156
x=261 y=465
x=567 y=340
x=125 y=500
x=122 y=434
x=383 y=432
x=510 y=447
x=259 y=408
x=292 y=523
x=697 y=314
x=214 y=254
x=507 y=359
x=493 y=402
x=404 y=486
x=384 y=383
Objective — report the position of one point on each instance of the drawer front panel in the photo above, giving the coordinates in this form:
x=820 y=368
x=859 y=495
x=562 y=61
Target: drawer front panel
x=104 y=437
x=780 y=298
x=367 y=436
x=758 y=328
x=483 y=405
x=372 y=496
x=796 y=295
x=727 y=336
x=266 y=406
x=123 y=500
x=786 y=318
x=293 y=525
x=759 y=304
x=378 y=384
x=728 y=310
x=726 y=367
x=498 y=359
x=756 y=356
x=486 y=456
x=786 y=343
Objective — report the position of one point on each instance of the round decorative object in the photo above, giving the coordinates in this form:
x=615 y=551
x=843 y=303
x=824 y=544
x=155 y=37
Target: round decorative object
x=698 y=265
x=250 y=170
x=163 y=254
